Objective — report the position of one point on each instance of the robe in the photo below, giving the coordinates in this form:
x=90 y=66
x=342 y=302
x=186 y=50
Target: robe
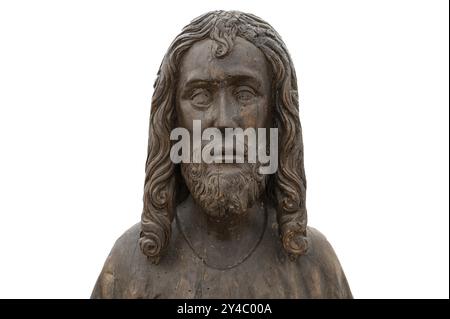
x=267 y=273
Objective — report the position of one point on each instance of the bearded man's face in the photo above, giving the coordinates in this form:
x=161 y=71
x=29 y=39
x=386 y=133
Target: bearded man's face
x=233 y=91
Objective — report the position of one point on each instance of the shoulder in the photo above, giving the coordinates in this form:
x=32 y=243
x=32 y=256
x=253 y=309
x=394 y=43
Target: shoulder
x=324 y=267
x=125 y=247
x=128 y=273
x=320 y=249
x=129 y=239
x=122 y=253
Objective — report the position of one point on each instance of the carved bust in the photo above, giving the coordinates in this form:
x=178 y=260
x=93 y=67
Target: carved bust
x=223 y=229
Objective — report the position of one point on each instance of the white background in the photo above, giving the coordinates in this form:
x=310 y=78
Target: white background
x=75 y=88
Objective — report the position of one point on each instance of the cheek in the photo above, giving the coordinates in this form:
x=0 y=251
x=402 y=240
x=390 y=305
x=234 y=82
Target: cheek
x=255 y=115
x=186 y=114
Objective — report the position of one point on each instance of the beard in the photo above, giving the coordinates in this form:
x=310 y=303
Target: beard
x=224 y=190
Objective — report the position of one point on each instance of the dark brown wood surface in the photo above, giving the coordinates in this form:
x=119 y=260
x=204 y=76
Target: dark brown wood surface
x=224 y=230
x=267 y=273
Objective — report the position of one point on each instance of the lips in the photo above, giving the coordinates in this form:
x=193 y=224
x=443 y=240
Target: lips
x=231 y=155
x=228 y=158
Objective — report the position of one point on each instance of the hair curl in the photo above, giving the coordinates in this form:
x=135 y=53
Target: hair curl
x=288 y=185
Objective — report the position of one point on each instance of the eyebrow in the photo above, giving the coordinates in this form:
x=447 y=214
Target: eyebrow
x=247 y=77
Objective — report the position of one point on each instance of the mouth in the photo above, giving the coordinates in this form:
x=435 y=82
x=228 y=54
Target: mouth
x=230 y=155
x=228 y=159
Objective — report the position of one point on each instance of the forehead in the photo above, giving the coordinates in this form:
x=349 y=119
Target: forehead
x=245 y=59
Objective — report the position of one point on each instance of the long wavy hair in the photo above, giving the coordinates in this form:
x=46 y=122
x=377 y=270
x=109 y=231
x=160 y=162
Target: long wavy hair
x=162 y=181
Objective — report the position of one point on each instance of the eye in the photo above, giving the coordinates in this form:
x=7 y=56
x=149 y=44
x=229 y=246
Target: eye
x=201 y=97
x=245 y=94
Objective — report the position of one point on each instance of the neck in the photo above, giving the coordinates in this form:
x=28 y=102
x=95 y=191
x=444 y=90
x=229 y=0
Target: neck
x=221 y=241
x=228 y=227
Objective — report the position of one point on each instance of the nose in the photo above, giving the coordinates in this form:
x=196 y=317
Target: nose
x=224 y=112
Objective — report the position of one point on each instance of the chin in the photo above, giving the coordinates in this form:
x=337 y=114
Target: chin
x=223 y=189
x=230 y=206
